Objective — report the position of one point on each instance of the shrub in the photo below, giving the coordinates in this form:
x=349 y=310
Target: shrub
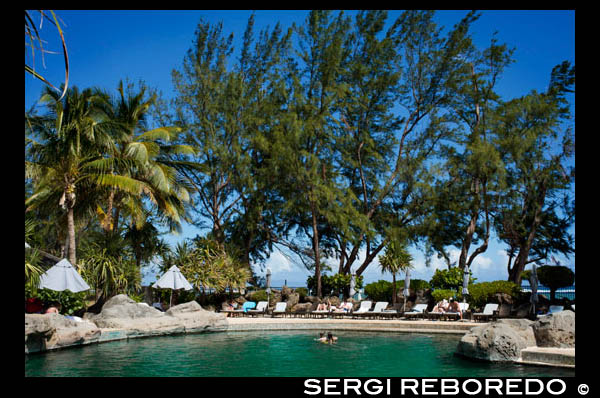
x=70 y=302
x=448 y=278
x=379 y=291
x=440 y=294
x=259 y=295
x=302 y=292
x=416 y=284
x=334 y=285
x=482 y=293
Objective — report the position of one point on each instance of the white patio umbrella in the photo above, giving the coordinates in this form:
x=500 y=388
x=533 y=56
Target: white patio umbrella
x=172 y=279
x=63 y=276
x=465 y=289
x=268 y=284
x=352 y=286
x=534 y=287
x=406 y=292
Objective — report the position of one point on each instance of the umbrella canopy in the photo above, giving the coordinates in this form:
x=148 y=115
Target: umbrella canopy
x=63 y=276
x=173 y=279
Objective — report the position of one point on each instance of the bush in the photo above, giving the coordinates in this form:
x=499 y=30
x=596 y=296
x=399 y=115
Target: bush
x=416 y=284
x=440 y=294
x=70 y=302
x=334 y=285
x=379 y=291
x=448 y=278
x=482 y=293
x=302 y=292
x=259 y=295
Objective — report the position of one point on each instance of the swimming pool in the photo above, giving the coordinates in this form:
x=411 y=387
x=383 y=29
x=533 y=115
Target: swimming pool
x=280 y=354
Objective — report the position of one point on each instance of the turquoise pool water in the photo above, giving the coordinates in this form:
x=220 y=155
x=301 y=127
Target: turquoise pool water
x=273 y=354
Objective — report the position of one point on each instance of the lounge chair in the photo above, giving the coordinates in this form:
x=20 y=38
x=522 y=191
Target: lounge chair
x=248 y=305
x=450 y=314
x=489 y=311
x=280 y=309
x=377 y=310
x=365 y=306
x=261 y=308
x=418 y=311
x=319 y=313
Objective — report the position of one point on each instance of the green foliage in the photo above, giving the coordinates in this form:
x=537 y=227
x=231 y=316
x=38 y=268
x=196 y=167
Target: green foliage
x=302 y=292
x=448 y=278
x=70 y=302
x=379 y=291
x=440 y=294
x=482 y=293
x=555 y=277
x=259 y=295
x=335 y=284
x=416 y=284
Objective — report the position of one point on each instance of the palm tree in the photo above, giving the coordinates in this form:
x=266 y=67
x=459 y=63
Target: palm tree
x=143 y=156
x=70 y=136
x=395 y=259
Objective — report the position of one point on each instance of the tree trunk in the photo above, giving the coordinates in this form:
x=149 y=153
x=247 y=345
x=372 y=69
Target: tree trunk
x=394 y=288
x=109 y=213
x=316 y=251
x=71 y=226
x=521 y=260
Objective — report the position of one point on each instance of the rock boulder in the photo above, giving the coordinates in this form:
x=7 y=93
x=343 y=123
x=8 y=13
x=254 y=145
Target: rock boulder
x=555 y=330
x=502 y=340
x=50 y=331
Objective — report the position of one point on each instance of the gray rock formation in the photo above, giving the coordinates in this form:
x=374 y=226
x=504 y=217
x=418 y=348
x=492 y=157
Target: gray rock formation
x=52 y=331
x=131 y=319
x=555 y=330
x=502 y=340
x=292 y=299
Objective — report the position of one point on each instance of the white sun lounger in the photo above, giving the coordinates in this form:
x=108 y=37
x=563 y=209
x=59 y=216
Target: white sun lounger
x=280 y=309
x=488 y=312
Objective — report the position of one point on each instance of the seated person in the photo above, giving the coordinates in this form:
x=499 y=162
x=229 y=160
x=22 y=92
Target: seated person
x=345 y=307
x=53 y=309
x=442 y=306
x=454 y=307
x=322 y=307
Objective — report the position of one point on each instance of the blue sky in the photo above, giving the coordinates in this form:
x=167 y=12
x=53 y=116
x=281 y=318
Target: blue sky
x=106 y=46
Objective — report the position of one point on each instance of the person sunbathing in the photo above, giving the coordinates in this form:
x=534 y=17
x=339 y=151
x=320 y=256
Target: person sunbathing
x=322 y=307
x=442 y=306
x=453 y=306
x=53 y=309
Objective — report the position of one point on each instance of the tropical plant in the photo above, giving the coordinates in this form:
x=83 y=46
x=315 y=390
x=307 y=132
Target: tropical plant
x=451 y=278
x=395 y=259
x=71 y=136
x=33 y=40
